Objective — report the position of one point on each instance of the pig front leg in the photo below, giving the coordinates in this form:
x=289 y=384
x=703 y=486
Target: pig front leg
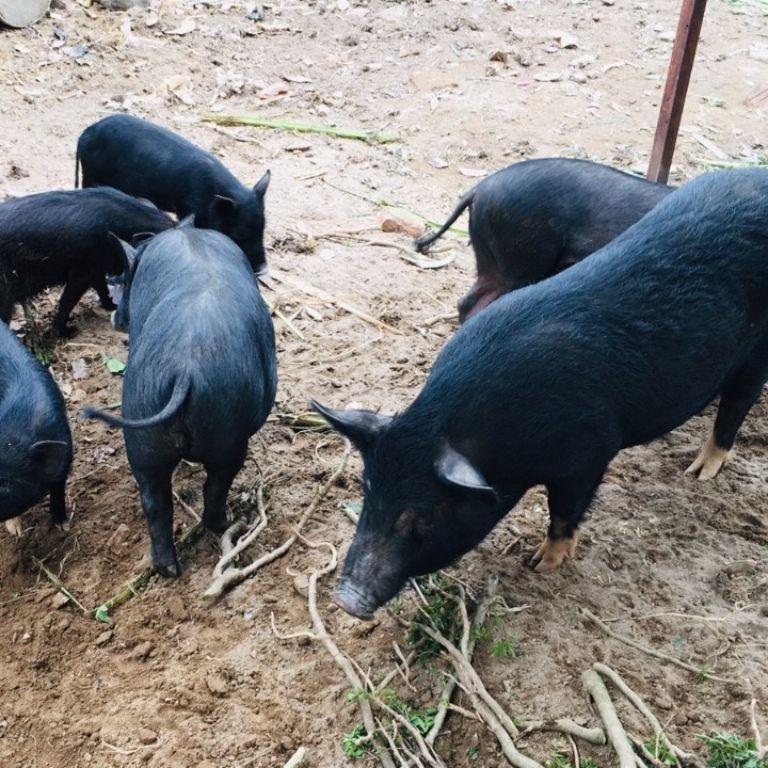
x=74 y=289
x=58 y=504
x=568 y=503
x=99 y=284
x=157 y=503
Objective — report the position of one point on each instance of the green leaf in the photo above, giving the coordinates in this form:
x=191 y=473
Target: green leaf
x=113 y=364
x=102 y=614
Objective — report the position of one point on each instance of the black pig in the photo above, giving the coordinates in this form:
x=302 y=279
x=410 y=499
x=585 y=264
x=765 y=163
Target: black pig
x=537 y=217
x=550 y=382
x=35 y=441
x=146 y=160
x=56 y=238
x=201 y=372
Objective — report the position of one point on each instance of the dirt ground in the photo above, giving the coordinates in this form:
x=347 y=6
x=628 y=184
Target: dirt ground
x=467 y=87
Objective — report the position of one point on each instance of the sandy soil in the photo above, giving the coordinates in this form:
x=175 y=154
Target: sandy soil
x=175 y=682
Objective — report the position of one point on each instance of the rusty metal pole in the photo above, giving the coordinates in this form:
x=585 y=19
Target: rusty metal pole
x=678 y=76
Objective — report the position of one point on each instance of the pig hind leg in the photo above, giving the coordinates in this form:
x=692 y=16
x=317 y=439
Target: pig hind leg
x=157 y=503
x=74 y=289
x=568 y=503
x=737 y=398
x=218 y=481
x=99 y=284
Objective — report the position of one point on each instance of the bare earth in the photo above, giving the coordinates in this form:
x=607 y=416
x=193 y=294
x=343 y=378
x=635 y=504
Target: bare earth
x=176 y=682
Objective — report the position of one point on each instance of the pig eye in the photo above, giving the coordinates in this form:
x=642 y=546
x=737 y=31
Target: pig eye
x=407 y=525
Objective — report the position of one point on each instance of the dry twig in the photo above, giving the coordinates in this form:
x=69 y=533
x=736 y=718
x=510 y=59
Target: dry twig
x=234 y=575
x=652 y=651
x=617 y=736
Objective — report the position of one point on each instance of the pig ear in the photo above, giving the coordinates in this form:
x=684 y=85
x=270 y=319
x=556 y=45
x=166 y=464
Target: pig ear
x=127 y=251
x=260 y=188
x=51 y=456
x=361 y=427
x=223 y=206
x=187 y=222
x=456 y=470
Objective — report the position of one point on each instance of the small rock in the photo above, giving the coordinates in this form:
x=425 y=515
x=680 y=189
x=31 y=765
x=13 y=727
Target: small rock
x=217 y=685
x=104 y=637
x=758 y=52
x=502 y=56
x=146 y=736
x=565 y=40
x=432 y=80
x=438 y=162
x=44 y=594
x=391 y=223
x=118 y=539
x=142 y=651
x=122 y=5
x=59 y=600
x=548 y=77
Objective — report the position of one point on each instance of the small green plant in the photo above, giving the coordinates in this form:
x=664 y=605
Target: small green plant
x=659 y=750
x=421 y=719
x=440 y=612
x=505 y=647
x=558 y=761
x=588 y=762
x=481 y=633
x=473 y=753
x=729 y=751
x=351 y=743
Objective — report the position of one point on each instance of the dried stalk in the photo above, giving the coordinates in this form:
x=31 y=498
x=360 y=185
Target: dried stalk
x=617 y=736
x=641 y=707
x=652 y=651
x=235 y=575
x=761 y=749
x=321 y=634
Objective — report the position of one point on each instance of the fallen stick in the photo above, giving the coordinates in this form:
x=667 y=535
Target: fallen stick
x=641 y=707
x=229 y=549
x=301 y=421
x=447 y=694
x=760 y=749
x=274 y=310
x=298 y=758
x=371 y=137
x=385 y=204
x=131 y=588
x=617 y=736
x=566 y=726
x=318 y=293
x=321 y=634
x=652 y=651
x=233 y=576
x=59 y=584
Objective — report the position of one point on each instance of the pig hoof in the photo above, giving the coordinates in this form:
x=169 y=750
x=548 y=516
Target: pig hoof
x=710 y=461
x=14 y=527
x=552 y=552
x=167 y=570
x=64 y=331
x=217 y=526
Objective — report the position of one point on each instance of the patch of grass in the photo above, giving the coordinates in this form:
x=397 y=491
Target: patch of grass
x=351 y=743
x=558 y=761
x=505 y=647
x=473 y=753
x=588 y=762
x=729 y=751
x=659 y=750
x=441 y=611
x=421 y=719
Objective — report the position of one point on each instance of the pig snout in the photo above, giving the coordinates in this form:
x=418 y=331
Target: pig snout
x=354 y=601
